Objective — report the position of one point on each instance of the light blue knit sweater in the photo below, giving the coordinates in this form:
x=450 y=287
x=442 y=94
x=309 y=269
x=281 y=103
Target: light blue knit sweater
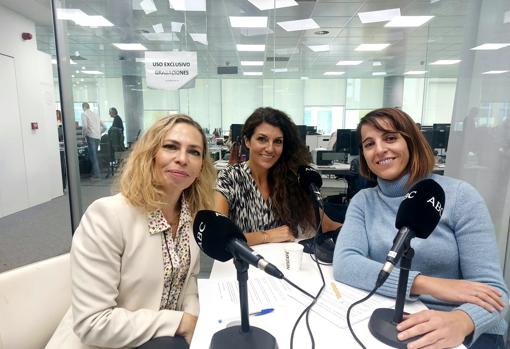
x=462 y=246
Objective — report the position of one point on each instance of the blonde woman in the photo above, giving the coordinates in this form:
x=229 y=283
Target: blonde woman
x=134 y=261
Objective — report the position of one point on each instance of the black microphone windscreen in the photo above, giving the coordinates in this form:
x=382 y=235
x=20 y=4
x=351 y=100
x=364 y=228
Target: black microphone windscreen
x=421 y=208
x=213 y=231
x=308 y=175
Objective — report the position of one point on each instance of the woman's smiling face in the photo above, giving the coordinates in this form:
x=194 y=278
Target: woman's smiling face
x=386 y=152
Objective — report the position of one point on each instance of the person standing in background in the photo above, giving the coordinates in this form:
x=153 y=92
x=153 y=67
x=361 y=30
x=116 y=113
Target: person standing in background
x=116 y=131
x=92 y=129
x=117 y=121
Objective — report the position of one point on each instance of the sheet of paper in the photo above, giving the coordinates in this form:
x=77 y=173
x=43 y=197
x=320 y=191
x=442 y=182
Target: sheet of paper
x=269 y=292
x=334 y=309
x=262 y=293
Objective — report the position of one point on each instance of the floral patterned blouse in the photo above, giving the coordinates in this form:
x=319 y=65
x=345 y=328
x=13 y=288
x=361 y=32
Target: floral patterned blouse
x=176 y=253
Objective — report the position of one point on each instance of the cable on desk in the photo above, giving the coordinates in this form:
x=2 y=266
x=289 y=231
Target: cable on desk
x=349 y=314
x=297 y=287
x=314 y=299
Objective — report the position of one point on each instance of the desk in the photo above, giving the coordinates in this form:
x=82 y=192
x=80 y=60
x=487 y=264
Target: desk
x=336 y=169
x=279 y=323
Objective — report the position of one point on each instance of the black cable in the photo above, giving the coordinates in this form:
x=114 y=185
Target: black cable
x=349 y=314
x=314 y=299
x=297 y=287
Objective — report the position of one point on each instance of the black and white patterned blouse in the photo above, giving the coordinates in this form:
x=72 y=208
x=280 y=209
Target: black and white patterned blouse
x=247 y=208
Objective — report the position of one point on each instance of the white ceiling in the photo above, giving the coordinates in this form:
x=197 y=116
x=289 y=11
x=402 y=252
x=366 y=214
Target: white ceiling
x=411 y=48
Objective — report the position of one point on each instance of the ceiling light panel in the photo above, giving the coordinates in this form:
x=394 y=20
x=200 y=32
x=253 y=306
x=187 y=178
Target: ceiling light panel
x=272 y=4
x=148 y=6
x=408 y=21
x=371 y=47
x=349 y=62
x=94 y=21
x=378 y=16
x=188 y=5
x=415 y=72
x=496 y=72
x=252 y=63
x=280 y=70
x=130 y=47
x=379 y=73
x=376 y=64
x=252 y=73
x=248 y=21
x=251 y=48
x=70 y=14
x=300 y=24
x=158 y=28
x=445 y=62
x=92 y=72
x=199 y=37
x=176 y=26
x=332 y=73
x=491 y=46
x=318 y=48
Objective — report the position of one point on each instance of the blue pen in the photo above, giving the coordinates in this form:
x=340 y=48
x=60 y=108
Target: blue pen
x=255 y=313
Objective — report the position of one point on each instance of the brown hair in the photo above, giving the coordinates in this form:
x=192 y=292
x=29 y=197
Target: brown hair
x=291 y=204
x=421 y=158
x=139 y=182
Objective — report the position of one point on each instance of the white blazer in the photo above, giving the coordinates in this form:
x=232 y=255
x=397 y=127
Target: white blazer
x=117 y=281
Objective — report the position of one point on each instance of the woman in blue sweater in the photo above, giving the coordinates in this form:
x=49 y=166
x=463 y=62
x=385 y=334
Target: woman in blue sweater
x=455 y=272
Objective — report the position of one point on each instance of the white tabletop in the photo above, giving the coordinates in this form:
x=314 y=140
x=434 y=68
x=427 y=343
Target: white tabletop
x=279 y=323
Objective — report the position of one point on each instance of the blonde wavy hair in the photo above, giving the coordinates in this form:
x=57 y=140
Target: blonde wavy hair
x=139 y=182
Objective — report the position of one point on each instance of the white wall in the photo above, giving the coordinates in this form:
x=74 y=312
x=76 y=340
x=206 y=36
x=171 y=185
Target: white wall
x=13 y=191
x=438 y=106
x=34 y=87
x=364 y=93
x=413 y=97
x=429 y=101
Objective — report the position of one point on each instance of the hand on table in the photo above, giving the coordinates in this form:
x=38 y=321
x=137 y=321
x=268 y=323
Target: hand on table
x=463 y=291
x=280 y=234
x=439 y=329
x=187 y=327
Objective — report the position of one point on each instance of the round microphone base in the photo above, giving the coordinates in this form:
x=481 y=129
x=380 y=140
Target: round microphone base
x=383 y=328
x=233 y=337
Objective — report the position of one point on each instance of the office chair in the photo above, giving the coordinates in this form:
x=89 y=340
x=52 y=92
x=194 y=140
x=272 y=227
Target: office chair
x=105 y=155
x=116 y=137
x=335 y=206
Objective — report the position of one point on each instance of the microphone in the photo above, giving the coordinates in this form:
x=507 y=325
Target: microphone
x=221 y=239
x=310 y=179
x=417 y=216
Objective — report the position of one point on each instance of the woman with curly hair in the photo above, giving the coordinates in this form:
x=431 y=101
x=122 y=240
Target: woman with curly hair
x=262 y=195
x=134 y=260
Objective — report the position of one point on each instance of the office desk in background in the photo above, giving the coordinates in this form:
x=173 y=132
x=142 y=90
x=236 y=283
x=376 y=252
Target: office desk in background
x=328 y=327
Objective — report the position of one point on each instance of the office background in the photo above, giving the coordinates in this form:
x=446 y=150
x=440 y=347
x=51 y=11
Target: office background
x=438 y=72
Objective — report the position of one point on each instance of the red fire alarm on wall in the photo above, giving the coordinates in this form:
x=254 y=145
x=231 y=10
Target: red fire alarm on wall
x=34 y=125
x=26 y=36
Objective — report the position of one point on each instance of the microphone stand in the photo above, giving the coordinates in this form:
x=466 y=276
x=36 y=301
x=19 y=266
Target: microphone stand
x=383 y=322
x=243 y=336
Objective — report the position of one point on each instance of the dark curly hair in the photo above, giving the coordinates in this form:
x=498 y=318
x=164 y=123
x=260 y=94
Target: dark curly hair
x=291 y=204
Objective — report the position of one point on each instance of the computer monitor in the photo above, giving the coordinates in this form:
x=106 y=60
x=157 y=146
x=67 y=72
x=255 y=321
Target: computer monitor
x=311 y=130
x=427 y=132
x=235 y=132
x=343 y=141
x=440 y=134
x=302 y=132
x=326 y=157
x=354 y=143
